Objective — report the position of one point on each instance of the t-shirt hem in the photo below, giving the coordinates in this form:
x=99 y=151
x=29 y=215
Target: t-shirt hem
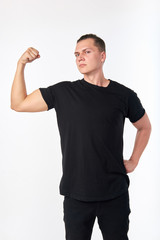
x=92 y=199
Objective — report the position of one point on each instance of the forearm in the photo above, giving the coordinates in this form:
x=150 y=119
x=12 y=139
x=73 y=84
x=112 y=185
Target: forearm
x=142 y=138
x=18 y=90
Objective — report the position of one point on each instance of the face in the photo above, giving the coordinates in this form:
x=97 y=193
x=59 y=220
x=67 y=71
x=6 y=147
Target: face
x=88 y=57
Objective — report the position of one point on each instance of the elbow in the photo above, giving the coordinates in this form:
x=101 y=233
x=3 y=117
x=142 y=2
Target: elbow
x=15 y=108
x=12 y=106
x=149 y=131
x=149 y=127
x=145 y=129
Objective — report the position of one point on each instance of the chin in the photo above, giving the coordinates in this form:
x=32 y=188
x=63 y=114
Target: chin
x=83 y=71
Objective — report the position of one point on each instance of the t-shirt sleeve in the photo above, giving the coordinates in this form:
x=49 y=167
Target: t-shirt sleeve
x=135 y=108
x=48 y=95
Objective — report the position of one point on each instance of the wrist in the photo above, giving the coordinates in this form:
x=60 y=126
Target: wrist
x=134 y=160
x=21 y=64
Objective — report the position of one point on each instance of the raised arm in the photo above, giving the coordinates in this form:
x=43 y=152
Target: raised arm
x=20 y=101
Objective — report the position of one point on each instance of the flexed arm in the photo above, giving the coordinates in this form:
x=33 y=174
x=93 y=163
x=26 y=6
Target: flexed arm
x=20 y=101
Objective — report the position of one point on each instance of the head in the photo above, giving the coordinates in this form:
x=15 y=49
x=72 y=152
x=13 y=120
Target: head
x=90 y=53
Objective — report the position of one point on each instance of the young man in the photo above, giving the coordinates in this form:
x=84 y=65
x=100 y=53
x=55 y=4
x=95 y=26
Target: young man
x=91 y=113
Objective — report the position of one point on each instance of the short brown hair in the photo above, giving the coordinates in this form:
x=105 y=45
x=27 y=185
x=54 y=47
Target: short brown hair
x=97 y=41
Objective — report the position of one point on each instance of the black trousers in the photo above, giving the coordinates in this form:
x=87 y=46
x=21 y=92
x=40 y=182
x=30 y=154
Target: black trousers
x=112 y=216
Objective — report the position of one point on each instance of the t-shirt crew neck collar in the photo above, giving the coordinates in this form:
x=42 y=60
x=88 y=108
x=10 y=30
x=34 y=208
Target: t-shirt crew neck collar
x=96 y=86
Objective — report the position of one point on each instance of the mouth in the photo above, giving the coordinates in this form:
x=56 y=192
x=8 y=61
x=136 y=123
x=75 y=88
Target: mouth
x=82 y=65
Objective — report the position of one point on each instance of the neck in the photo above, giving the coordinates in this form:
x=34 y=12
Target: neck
x=97 y=79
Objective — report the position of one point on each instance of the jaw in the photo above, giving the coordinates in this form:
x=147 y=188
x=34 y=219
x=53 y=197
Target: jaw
x=90 y=71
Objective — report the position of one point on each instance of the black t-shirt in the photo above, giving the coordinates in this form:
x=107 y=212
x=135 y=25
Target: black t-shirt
x=91 y=121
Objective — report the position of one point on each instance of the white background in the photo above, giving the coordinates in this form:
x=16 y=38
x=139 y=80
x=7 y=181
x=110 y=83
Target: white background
x=31 y=207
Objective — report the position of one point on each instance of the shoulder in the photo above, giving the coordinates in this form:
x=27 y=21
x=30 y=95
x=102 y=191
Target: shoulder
x=121 y=86
x=65 y=84
x=62 y=84
x=123 y=89
x=59 y=85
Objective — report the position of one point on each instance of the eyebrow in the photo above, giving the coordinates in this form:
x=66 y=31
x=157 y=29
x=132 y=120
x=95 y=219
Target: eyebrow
x=83 y=50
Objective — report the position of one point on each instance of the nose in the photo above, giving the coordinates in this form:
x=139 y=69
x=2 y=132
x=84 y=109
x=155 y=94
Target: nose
x=81 y=57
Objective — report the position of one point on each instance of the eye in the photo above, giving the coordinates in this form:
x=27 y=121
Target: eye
x=76 y=55
x=88 y=51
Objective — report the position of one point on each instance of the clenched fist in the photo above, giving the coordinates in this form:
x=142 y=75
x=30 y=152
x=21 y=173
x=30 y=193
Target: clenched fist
x=29 y=55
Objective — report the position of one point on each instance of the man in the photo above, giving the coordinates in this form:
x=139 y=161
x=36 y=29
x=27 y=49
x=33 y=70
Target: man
x=90 y=113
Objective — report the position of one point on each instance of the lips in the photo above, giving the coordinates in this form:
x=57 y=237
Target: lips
x=82 y=65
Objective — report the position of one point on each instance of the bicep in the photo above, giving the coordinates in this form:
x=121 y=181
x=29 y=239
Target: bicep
x=143 y=122
x=34 y=102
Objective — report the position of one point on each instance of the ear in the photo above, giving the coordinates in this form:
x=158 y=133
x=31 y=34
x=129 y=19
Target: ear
x=103 y=56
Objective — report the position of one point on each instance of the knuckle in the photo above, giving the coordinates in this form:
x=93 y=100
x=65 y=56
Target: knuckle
x=28 y=50
x=33 y=50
